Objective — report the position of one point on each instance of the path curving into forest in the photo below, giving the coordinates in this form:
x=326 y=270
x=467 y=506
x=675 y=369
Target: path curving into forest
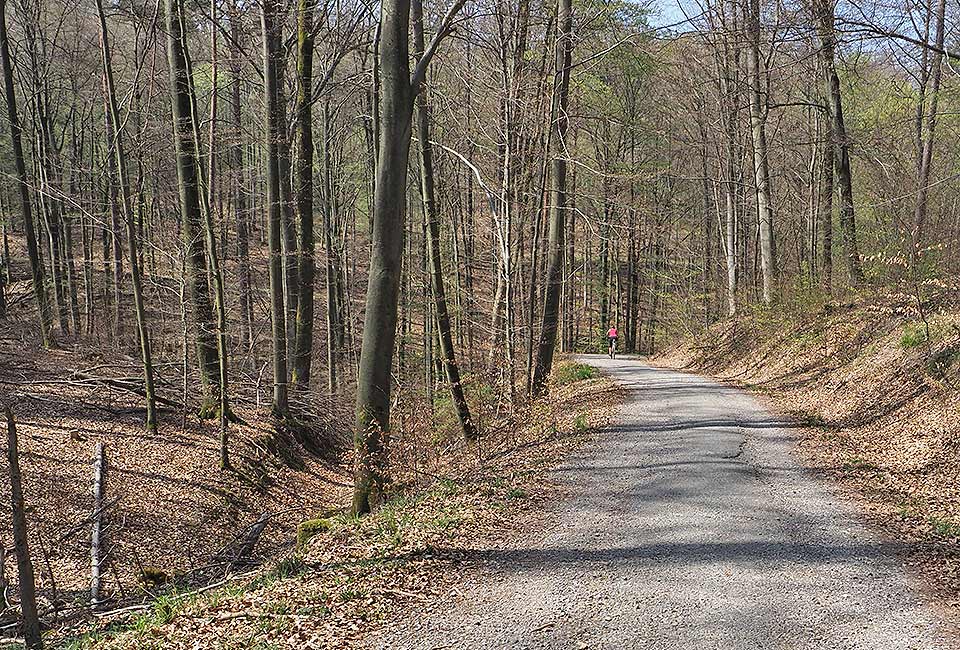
x=690 y=524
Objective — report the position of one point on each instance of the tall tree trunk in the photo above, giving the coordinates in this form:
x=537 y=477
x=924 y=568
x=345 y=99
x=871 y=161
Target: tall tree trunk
x=213 y=254
x=134 y=248
x=188 y=177
x=397 y=92
x=116 y=249
x=428 y=194
x=825 y=205
x=569 y=281
x=605 y=229
x=288 y=232
x=728 y=64
x=274 y=136
x=240 y=189
x=13 y=118
x=307 y=270
x=930 y=125
x=68 y=222
x=824 y=14
x=332 y=274
x=709 y=228
x=380 y=320
x=554 y=279
x=761 y=165
x=71 y=273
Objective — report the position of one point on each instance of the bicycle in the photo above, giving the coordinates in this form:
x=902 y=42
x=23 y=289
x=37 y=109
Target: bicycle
x=612 y=350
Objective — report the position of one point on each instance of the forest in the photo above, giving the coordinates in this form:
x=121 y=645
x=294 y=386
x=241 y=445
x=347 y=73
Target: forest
x=327 y=248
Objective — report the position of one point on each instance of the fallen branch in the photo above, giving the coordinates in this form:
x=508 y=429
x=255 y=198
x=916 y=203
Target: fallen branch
x=126 y=385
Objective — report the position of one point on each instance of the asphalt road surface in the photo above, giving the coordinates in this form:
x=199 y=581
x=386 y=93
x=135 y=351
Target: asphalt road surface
x=689 y=525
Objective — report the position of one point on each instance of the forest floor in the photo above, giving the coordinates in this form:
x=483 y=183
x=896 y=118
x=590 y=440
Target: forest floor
x=172 y=516
x=345 y=575
x=874 y=382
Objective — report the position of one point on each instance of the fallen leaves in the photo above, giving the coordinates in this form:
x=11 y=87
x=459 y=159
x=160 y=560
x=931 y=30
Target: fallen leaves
x=355 y=574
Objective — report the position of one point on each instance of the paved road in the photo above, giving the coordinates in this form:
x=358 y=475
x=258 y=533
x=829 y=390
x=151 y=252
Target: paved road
x=689 y=526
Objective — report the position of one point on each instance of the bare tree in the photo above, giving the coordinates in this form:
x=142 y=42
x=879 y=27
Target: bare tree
x=23 y=182
x=551 y=301
x=398 y=87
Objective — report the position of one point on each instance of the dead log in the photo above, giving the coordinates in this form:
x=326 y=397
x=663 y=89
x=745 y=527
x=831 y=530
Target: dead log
x=237 y=552
x=96 y=527
x=125 y=385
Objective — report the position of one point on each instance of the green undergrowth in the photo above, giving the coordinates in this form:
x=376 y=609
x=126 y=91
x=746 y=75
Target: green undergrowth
x=944 y=527
x=571 y=372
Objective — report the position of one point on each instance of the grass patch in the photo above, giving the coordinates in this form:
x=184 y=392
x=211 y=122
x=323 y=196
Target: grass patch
x=914 y=335
x=568 y=373
x=581 y=423
x=857 y=464
x=944 y=527
x=516 y=493
x=289 y=567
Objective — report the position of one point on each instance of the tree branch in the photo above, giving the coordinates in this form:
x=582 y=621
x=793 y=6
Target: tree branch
x=880 y=31
x=446 y=26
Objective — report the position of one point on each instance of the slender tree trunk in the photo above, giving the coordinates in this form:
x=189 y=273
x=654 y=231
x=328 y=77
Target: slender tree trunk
x=288 y=232
x=824 y=12
x=71 y=273
x=428 y=194
x=21 y=544
x=554 y=279
x=116 y=250
x=23 y=183
x=709 y=229
x=68 y=222
x=213 y=254
x=825 y=206
x=332 y=275
x=240 y=190
x=930 y=124
x=271 y=56
x=86 y=241
x=605 y=229
x=135 y=274
x=761 y=165
x=728 y=64
x=106 y=236
x=569 y=283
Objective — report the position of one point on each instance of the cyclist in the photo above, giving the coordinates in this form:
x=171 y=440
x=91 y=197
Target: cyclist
x=612 y=341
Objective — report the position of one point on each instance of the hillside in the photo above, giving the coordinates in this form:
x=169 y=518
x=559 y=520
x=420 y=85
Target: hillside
x=172 y=516
x=345 y=576
x=873 y=383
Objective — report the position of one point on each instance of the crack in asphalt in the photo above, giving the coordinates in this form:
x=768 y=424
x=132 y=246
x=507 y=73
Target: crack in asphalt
x=687 y=524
